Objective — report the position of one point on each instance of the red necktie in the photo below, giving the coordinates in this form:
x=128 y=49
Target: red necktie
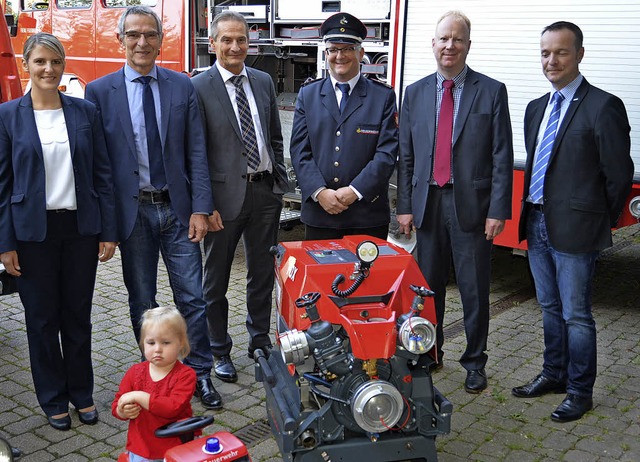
x=442 y=162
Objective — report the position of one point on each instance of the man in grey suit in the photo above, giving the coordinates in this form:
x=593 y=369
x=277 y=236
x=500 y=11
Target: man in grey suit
x=246 y=166
x=455 y=182
x=576 y=180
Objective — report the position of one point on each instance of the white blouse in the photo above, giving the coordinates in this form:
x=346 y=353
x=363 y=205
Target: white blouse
x=60 y=182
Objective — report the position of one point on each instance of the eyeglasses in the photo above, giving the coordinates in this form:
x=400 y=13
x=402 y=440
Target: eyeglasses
x=134 y=36
x=346 y=50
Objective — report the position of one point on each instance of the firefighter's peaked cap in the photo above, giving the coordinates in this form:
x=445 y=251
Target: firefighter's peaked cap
x=343 y=28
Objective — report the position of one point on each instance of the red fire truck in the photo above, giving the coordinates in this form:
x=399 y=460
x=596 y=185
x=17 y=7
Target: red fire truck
x=10 y=87
x=285 y=43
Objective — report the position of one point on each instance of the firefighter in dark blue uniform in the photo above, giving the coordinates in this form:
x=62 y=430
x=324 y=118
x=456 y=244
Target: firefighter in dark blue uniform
x=344 y=141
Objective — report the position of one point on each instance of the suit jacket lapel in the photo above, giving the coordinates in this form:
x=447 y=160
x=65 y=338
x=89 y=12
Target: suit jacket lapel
x=166 y=89
x=220 y=91
x=429 y=98
x=533 y=129
x=119 y=95
x=468 y=95
x=29 y=122
x=70 y=120
x=578 y=97
x=355 y=99
x=328 y=95
x=259 y=97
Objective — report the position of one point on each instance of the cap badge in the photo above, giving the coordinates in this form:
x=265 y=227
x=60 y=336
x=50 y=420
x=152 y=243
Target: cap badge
x=344 y=21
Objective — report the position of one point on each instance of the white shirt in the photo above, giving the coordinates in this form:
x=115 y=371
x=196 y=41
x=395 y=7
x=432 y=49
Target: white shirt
x=59 y=179
x=265 y=160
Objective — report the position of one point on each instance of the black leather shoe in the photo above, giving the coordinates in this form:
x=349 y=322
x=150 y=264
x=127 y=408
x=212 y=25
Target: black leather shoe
x=572 y=408
x=476 y=381
x=224 y=368
x=89 y=417
x=15 y=452
x=539 y=386
x=61 y=423
x=266 y=349
x=208 y=395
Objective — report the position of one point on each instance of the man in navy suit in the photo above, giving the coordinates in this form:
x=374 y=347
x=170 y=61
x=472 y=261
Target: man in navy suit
x=163 y=194
x=246 y=165
x=344 y=141
x=455 y=180
x=577 y=177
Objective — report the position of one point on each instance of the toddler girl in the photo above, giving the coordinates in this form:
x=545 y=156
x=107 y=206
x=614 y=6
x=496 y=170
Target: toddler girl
x=159 y=390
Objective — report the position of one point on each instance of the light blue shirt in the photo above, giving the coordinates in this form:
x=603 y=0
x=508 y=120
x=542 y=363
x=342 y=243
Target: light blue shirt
x=134 y=96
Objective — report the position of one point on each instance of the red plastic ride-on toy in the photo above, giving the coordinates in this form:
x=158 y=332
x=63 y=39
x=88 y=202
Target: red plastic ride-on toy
x=365 y=392
x=219 y=447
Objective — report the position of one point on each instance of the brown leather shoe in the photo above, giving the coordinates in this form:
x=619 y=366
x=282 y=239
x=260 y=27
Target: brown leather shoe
x=539 y=386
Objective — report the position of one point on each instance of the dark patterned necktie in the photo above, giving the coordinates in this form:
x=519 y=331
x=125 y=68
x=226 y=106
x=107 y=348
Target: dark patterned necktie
x=246 y=124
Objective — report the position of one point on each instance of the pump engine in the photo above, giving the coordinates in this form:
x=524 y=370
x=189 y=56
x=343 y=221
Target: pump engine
x=349 y=378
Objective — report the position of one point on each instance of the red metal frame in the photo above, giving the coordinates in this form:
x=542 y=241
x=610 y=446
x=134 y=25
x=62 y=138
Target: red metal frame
x=10 y=87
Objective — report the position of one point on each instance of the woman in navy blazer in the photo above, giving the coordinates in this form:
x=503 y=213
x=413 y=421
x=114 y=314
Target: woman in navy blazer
x=57 y=219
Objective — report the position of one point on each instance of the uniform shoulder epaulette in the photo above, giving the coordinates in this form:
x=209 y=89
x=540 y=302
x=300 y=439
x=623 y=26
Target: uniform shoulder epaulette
x=310 y=80
x=381 y=83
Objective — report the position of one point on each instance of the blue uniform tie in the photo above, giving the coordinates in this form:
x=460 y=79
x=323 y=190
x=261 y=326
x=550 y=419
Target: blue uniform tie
x=154 y=146
x=344 y=88
x=536 y=188
x=246 y=124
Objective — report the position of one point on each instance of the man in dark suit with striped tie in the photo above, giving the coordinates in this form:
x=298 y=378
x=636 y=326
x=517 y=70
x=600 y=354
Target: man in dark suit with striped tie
x=577 y=177
x=246 y=166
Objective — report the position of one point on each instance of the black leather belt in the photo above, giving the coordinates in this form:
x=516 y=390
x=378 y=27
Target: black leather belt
x=444 y=186
x=153 y=197
x=59 y=210
x=537 y=207
x=258 y=176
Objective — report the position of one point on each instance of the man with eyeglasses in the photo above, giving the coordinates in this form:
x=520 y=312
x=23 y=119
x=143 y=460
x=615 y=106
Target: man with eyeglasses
x=344 y=141
x=156 y=144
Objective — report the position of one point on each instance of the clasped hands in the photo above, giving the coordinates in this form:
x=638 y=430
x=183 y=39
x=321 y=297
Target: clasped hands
x=335 y=201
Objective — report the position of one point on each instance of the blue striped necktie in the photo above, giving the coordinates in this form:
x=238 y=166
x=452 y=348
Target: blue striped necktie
x=246 y=124
x=536 y=188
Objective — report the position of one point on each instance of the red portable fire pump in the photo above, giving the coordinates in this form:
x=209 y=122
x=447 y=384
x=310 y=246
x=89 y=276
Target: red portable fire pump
x=359 y=311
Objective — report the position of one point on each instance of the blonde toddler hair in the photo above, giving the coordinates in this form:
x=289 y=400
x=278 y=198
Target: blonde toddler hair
x=170 y=318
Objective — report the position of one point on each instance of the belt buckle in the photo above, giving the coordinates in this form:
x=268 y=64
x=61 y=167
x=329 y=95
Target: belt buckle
x=255 y=177
x=153 y=197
